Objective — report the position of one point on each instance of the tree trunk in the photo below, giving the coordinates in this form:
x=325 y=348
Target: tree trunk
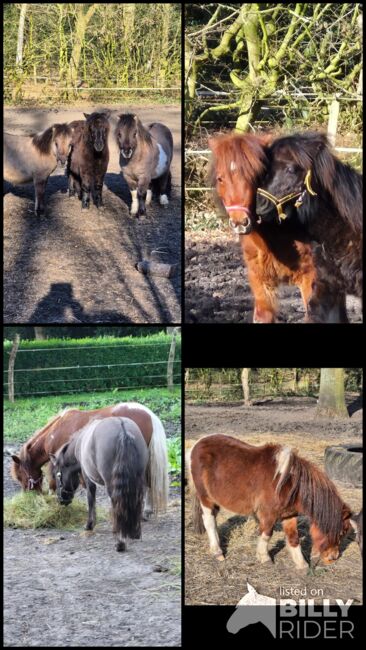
x=40 y=333
x=20 y=41
x=164 y=49
x=245 y=376
x=81 y=24
x=11 y=365
x=331 y=402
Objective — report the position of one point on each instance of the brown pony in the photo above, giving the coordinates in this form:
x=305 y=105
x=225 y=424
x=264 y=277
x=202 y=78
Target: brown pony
x=272 y=254
x=26 y=468
x=272 y=482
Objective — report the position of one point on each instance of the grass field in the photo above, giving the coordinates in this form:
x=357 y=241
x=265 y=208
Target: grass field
x=23 y=417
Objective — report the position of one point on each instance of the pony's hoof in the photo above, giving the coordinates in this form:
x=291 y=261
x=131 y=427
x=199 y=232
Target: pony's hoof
x=146 y=515
x=263 y=558
x=220 y=558
x=163 y=200
x=89 y=526
x=120 y=547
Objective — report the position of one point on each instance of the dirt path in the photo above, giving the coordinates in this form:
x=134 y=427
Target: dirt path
x=73 y=589
x=217 y=289
x=291 y=423
x=73 y=266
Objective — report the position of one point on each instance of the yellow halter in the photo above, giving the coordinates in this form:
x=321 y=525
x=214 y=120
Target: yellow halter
x=280 y=202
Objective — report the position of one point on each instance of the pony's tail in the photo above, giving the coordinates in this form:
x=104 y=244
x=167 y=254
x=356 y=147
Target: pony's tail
x=196 y=509
x=127 y=487
x=158 y=479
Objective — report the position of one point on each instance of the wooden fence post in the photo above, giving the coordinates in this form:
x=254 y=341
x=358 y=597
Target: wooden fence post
x=170 y=366
x=333 y=121
x=11 y=365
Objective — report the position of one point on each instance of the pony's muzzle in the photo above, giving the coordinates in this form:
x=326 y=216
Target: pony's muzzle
x=126 y=153
x=242 y=228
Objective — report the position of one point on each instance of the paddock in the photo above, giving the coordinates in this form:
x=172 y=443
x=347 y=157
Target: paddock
x=284 y=421
x=72 y=266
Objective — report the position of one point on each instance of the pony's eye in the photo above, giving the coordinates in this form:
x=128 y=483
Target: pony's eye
x=58 y=474
x=291 y=169
x=219 y=179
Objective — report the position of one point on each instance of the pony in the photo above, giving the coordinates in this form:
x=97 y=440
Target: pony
x=305 y=183
x=110 y=452
x=271 y=481
x=32 y=158
x=272 y=255
x=145 y=158
x=26 y=467
x=88 y=160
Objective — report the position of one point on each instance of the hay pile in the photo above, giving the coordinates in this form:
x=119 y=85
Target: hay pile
x=32 y=510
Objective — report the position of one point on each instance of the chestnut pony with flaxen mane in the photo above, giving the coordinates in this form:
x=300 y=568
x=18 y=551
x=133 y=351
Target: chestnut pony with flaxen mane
x=273 y=255
x=274 y=483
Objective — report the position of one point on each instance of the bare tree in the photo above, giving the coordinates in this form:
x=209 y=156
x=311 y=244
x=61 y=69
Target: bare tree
x=20 y=41
x=332 y=401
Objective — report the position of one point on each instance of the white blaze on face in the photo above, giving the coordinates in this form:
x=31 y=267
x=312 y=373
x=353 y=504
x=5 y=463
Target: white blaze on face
x=232 y=166
x=135 y=203
x=161 y=167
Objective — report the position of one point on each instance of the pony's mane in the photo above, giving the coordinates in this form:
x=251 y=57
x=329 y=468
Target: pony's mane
x=42 y=141
x=316 y=492
x=246 y=151
x=128 y=120
x=341 y=182
x=34 y=438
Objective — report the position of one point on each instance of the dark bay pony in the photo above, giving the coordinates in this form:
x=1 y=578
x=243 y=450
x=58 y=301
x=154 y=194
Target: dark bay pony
x=310 y=186
x=110 y=452
x=272 y=482
x=145 y=159
x=272 y=255
x=88 y=160
x=26 y=468
x=32 y=158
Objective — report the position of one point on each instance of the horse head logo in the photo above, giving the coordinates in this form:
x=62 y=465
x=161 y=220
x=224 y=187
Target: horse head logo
x=257 y=612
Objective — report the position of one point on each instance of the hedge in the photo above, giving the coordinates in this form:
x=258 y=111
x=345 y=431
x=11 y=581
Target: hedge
x=58 y=366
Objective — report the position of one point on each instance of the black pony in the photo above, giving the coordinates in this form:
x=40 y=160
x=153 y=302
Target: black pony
x=305 y=181
x=89 y=157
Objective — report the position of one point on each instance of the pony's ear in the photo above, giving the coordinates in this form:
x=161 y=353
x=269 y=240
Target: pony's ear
x=265 y=138
x=53 y=459
x=107 y=112
x=212 y=143
x=354 y=524
x=86 y=115
x=16 y=459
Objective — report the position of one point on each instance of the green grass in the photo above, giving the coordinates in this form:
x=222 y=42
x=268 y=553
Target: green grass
x=175 y=459
x=25 y=416
x=32 y=510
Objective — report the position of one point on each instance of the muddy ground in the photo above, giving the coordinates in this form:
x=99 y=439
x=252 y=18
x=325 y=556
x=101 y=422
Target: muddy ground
x=72 y=589
x=72 y=266
x=289 y=422
x=217 y=288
